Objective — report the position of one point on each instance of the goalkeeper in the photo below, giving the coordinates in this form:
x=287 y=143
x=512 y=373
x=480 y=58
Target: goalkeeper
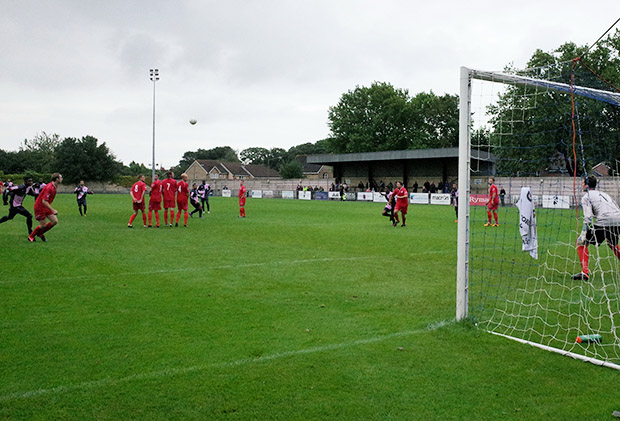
x=599 y=205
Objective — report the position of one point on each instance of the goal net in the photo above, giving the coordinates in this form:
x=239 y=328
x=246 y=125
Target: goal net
x=545 y=129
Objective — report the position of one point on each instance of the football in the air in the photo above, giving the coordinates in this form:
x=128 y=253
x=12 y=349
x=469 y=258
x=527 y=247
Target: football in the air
x=192 y=121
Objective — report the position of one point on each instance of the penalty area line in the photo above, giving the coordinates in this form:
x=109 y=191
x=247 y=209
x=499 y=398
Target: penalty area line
x=188 y=269
x=106 y=382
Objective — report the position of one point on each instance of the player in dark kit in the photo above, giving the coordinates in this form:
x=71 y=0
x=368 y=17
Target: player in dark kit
x=5 y=194
x=81 y=191
x=194 y=199
x=203 y=192
x=38 y=187
x=17 y=194
x=43 y=209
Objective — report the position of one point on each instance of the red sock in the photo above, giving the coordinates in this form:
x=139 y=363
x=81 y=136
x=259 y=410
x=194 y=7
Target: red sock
x=171 y=216
x=45 y=228
x=157 y=217
x=150 y=217
x=37 y=231
x=185 y=217
x=143 y=218
x=495 y=216
x=584 y=257
x=489 y=216
x=616 y=250
x=178 y=217
x=165 y=217
x=132 y=218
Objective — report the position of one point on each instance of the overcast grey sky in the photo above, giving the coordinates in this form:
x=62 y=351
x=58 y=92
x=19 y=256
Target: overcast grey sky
x=253 y=73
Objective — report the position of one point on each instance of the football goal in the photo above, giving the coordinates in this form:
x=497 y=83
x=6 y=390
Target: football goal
x=545 y=129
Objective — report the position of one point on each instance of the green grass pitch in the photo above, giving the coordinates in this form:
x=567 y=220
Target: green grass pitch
x=303 y=310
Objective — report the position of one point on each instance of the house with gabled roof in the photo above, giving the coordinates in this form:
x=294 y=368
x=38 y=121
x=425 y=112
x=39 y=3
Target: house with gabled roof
x=204 y=169
x=314 y=171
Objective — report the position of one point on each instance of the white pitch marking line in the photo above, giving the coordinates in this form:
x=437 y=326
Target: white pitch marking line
x=176 y=371
x=162 y=271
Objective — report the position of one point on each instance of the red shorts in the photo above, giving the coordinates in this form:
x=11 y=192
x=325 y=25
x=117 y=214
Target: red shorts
x=138 y=206
x=168 y=203
x=182 y=206
x=242 y=201
x=402 y=209
x=154 y=206
x=492 y=206
x=41 y=213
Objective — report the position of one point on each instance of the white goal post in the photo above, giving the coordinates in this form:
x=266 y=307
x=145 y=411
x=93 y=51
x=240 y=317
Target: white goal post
x=465 y=187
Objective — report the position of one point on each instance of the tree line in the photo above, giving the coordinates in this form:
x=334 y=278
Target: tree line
x=381 y=117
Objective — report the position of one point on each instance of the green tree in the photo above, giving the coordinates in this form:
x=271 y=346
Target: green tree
x=543 y=136
x=85 y=159
x=381 y=118
x=291 y=169
x=272 y=158
x=38 y=152
x=135 y=169
x=438 y=119
x=256 y=155
x=377 y=118
x=220 y=153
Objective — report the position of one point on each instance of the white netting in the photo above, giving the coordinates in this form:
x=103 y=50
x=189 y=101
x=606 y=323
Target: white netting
x=540 y=138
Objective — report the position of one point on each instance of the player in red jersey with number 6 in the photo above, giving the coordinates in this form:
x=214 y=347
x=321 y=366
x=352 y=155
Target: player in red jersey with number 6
x=182 y=199
x=137 y=193
x=169 y=189
x=155 y=200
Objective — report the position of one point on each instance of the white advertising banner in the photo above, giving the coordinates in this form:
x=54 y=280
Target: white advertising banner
x=257 y=194
x=418 y=198
x=288 y=194
x=365 y=196
x=268 y=193
x=555 y=201
x=304 y=195
x=440 y=199
x=378 y=198
x=334 y=195
x=226 y=193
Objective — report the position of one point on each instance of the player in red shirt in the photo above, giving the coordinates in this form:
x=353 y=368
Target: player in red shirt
x=492 y=203
x=169 y=189
x=155 y=200
x=242 y=192
x=182 y=199
x=402 y=203
x=43 y=209
x=137 y=193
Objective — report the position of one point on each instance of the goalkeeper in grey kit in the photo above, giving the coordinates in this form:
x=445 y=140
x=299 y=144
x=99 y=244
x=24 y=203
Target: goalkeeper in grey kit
x=600 y=206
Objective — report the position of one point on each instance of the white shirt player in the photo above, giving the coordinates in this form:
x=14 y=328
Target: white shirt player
x=600 y=205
